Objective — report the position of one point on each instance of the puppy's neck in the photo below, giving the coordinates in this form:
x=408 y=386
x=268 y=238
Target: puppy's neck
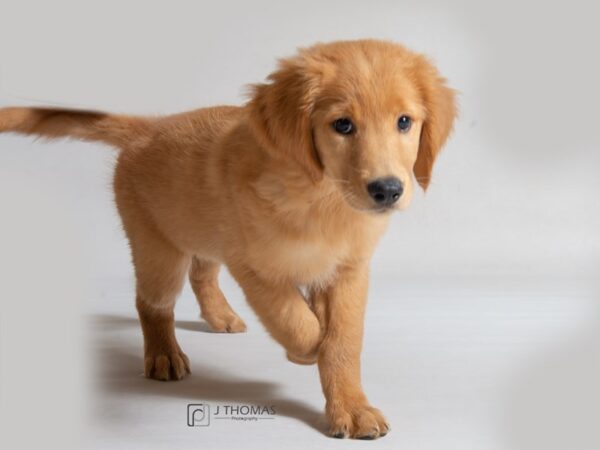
x=288 y=188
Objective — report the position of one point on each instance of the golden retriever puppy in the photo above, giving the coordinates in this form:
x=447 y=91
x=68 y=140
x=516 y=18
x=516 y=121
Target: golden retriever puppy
x=291 y=190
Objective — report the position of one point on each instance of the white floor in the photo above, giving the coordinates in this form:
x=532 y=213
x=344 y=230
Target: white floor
x=467 y=364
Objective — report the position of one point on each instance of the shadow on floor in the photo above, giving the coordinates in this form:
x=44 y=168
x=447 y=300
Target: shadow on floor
x=111 y=321
x=120 y=374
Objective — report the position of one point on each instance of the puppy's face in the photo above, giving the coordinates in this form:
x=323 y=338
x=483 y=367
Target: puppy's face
x=369 y=116
x=367 y=128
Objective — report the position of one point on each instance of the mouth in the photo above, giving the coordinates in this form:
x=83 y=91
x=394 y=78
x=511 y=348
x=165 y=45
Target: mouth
x=375 y=210
x=381 y=209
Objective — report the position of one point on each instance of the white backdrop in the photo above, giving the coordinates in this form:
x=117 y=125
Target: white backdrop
x=515 y=191
x=515 y=194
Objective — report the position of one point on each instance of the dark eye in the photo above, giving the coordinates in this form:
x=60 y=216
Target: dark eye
x=343 y=126
x=404 y=123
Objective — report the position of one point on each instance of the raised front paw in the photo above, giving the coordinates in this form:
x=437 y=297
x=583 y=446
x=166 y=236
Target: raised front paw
x=304 y=360
x=167 y=366
x=358 y=421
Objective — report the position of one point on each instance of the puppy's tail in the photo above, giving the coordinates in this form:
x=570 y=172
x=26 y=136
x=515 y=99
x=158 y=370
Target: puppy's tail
x=119 y=131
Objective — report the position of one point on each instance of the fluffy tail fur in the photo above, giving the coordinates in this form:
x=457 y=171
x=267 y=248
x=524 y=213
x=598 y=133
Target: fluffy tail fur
x=52 y=123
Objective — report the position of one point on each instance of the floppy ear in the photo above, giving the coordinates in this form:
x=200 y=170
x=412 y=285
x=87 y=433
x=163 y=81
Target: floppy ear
x=280 y=114
x=440 y=112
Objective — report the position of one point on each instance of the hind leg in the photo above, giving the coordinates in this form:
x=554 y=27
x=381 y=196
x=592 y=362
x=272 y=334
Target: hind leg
x=213 y=305
x=160 y=271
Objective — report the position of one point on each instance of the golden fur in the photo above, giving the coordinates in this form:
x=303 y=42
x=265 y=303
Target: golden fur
x=273 y=192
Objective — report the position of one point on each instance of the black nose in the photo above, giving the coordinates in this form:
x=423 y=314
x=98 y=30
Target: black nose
x=385 y=191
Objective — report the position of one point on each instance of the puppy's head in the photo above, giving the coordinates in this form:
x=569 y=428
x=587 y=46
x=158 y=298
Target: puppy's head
x=368 y=116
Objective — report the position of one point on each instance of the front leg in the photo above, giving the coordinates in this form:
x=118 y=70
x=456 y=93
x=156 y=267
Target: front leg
x=284 y=312
x=341 y=309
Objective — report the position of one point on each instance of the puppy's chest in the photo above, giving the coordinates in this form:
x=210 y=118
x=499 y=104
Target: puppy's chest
x=309 y=259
